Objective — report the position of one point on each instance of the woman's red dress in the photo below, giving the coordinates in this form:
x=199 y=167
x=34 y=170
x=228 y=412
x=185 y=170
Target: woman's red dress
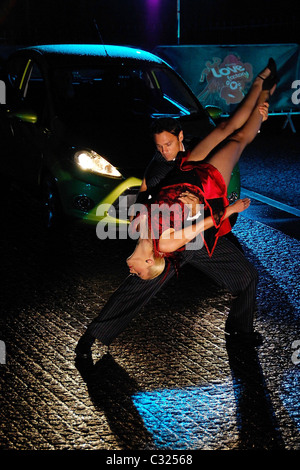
x=199 y=178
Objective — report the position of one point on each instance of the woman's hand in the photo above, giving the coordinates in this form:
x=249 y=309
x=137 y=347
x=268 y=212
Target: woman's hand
x=192 y=201
x=240 y=205
x=264 y=110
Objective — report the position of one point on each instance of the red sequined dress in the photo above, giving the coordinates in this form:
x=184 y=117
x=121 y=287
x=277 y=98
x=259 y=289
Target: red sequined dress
x=164 y=210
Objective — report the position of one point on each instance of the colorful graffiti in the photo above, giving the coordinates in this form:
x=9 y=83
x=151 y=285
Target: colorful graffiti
x=228 y=78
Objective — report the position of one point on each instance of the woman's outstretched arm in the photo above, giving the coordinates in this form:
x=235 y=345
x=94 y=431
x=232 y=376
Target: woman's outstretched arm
x=172 y=240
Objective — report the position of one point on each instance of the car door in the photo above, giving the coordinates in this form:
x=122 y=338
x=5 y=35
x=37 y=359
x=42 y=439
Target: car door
x=12 y=72
x=27 y=120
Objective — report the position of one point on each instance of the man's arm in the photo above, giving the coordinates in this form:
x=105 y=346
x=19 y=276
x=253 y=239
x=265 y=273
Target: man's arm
x=143 y=186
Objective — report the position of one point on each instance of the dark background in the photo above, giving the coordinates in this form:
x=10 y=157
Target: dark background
x=147 y=23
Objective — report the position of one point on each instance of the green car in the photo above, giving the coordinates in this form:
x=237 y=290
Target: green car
x=75 y=126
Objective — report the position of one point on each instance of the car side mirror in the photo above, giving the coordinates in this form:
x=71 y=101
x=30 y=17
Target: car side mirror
x=24 y=115
x=214 y=111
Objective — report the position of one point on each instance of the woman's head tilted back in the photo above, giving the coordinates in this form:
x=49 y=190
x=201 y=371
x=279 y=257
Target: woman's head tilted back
x=157 y=267
x=143 y=263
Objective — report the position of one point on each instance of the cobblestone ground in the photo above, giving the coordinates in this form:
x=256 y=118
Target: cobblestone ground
x=168 y=382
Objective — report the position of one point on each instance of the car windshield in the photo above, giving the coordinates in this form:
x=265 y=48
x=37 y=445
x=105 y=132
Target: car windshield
x=84 y=92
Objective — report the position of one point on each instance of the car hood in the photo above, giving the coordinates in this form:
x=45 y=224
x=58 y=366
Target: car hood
x=126 y=145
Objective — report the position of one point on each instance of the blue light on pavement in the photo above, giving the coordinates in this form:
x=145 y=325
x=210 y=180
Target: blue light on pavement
x=183 y=418
x=290 y=393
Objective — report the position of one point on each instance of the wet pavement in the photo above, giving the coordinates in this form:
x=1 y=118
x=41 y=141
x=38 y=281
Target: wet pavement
x=168 y=383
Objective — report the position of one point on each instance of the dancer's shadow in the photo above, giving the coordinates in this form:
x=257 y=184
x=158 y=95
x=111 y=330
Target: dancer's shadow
x=111 y=390
x=256 y=421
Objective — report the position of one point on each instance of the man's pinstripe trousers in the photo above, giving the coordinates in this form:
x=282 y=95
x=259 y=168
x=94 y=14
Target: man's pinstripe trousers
x=228 y=267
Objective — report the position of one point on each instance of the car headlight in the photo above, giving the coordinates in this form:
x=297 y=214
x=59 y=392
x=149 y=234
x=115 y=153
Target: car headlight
x=89 y=160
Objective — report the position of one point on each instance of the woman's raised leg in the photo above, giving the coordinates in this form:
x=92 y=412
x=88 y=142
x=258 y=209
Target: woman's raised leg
x=228 y=156
x=235 y=122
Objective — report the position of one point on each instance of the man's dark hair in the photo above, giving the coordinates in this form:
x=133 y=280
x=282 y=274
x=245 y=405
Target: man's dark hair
x=171 y=125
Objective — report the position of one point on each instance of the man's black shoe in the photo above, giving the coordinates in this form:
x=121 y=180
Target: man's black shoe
x=83 y=348
x=87 y=354
x=85 y=367
x=247 y=339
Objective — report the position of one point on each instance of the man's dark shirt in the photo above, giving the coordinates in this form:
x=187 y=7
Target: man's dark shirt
x=157 y=170
x=161 y=172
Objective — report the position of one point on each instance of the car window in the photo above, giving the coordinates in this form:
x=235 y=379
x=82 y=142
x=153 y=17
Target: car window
x=154 y=91
x=173 y=92
x=34 y=90
x=14 y=71
x=12 y=75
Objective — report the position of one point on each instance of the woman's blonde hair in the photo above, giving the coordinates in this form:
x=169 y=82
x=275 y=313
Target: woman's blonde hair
x=157 y=267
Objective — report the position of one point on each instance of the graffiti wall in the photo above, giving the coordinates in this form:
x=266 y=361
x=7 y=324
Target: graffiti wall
x=221 y=75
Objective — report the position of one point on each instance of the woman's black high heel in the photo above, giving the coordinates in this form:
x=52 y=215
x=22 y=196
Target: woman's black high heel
x=272 y=79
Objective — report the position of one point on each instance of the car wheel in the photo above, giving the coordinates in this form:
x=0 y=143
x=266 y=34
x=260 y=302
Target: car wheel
x=51 y=206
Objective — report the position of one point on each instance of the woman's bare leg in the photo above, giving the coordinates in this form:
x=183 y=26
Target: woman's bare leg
x=235 y=122
x=228 y=156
